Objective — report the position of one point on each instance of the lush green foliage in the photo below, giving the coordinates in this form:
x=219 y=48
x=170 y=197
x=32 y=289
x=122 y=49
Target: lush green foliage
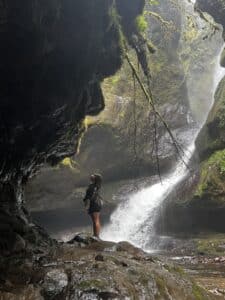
x=153 y=2
x=141 y=23
x=212 y=178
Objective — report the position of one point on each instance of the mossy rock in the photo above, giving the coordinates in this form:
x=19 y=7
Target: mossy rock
x=211 y=189
x=92 y=284
x=198 y=292
x=212 y=245
x=212 y=137
x=222 y=60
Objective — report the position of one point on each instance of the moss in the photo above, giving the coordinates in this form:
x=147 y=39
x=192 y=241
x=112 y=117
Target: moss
x=211 y=245
x=212 y=176
x=218 y=160
x=161 y=285
x=198 y=292
x=89 y=121
x=212 y=138
x=114 y=79
x=153 y=2
x=174 y=269
x=70 y=163
x=222 y=60
x=202 y=186
x=191 y=33
x=90 y=284
x=141 y=23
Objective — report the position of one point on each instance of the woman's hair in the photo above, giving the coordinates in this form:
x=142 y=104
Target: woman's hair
x=98 y=180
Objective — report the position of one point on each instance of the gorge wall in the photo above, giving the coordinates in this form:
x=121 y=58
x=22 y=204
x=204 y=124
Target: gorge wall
x=120 y=142
x=200 y=203
x=54 y=54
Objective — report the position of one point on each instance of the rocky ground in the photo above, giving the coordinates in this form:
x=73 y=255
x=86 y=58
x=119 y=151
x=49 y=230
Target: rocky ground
x=87 y=268
x=202 y=257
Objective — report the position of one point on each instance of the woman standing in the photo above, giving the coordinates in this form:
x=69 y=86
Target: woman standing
x=93 y=202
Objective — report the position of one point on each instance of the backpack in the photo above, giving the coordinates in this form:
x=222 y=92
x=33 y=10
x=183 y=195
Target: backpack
x=97 y=198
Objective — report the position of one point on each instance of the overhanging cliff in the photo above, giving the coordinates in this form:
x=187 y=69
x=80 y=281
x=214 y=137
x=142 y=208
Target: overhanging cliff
x=54 y=54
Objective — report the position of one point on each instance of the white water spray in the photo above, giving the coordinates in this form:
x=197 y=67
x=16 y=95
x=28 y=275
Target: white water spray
x=128 y=219
x=134 y=219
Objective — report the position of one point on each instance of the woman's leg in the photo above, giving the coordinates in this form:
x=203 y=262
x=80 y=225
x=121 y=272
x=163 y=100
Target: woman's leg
x=96 y=223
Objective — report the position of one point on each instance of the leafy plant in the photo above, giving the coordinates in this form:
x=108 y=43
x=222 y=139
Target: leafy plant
x=141 y=23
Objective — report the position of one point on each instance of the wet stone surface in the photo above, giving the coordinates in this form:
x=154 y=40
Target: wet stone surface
x=87 y=270
x=55 y=282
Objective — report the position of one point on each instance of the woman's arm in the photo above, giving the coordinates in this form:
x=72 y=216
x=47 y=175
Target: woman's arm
x=89 y=193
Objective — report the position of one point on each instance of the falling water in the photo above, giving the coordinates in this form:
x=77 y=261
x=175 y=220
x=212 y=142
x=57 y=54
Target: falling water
x=128 y=219
x=134 y=219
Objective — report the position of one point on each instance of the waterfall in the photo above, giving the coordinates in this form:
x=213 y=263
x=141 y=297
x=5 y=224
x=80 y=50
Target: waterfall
x=134 y=219
x=128 y=219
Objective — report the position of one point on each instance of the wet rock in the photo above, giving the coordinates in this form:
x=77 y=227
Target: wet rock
x=109 y=296
x=19 y=244
x=80 y=295
x=28 y=293
x=129 y=248
x=11 y=242
x=124 y=264
x=55 y=282
x=215 y=8
x=222 y=60
x=17 y=271
x=82 y=238
x=99 y=257
x=111 y=249
x=221 y=247
x=220 y=259
x=78 y=275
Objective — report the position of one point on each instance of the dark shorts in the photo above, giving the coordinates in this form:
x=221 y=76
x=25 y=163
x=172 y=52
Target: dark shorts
x=94 y=208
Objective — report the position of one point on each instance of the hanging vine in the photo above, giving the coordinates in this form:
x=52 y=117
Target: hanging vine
x=135 y=120
x=146 y=91
x=149 y=98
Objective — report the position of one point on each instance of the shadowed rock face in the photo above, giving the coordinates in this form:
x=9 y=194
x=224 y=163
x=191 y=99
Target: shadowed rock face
x=211 y=137
x=202 y=197
x=54 y=55
x=215 y=8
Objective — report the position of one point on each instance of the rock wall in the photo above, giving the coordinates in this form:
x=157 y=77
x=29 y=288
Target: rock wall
x=200 y=204
x=119 y=142
x=54 y=54
x=215 y=8
x=121 y=146
x=211 y=141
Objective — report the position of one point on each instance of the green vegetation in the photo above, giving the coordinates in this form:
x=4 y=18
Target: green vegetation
x=212 y=137
x=174 y=269
x=70 y=163
x=212 y=177
x=198 y=292
x=212 y=245
x=191 y=33
x=141 y=23
x=90 y=284
x=217 y=160
x=161 y=285
x=153 y=2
